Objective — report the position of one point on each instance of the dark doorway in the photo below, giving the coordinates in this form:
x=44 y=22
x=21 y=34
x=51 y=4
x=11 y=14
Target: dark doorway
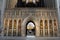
x=30 y=29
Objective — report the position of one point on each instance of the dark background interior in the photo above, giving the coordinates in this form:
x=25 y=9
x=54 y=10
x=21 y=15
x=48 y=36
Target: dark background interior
x=20 y=3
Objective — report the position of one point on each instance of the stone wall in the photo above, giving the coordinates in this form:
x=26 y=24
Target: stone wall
x=34 y=15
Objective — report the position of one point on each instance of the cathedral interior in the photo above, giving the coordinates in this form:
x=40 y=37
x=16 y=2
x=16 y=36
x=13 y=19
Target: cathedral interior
x=22 y=3
x=37 y=18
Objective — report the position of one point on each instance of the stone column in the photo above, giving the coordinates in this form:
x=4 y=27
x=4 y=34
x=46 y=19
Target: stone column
x=2 y=12
x=12 y=26
x=23 y=31
x=48 y=28
x=57 y=8
x=37 y=29
x=53 y=26
x=43 y=27
x=7 y=27
x=23 y=28
x=17 y=28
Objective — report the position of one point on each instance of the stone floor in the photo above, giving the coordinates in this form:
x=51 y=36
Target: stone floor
x=29 y=38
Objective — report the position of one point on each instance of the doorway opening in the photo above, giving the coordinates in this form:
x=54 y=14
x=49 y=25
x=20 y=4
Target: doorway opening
x=30 y=28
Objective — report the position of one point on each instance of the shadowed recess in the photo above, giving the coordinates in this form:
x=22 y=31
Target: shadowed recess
x=21 y=3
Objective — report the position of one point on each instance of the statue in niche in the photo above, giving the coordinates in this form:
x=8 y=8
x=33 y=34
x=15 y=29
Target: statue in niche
x=30 y=3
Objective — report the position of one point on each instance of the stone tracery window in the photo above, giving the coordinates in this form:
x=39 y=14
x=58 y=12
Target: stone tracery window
x=52 y=31
x=41 y=28
x=5 y=26
x=10 y=24
x=55 y=27
x=46 y=24
x=50 y=24
x=41 y=24
x=50 y=27
x=19 y=27
x=14 y=28
x=46 y=27
x=10 y=28
x=15 y=22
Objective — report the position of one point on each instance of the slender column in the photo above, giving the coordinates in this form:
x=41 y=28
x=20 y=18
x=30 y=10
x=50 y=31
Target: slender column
x=3 y=26
x=52 y=3
x=57 y=28
x=7 y=3
x=47 y=3
x=12 y=26
x=17 y=28
x=37 y=30
x=53 y=26
x=10 y=3
x=48 y=28
x=43 y=28
x=57 y=6
x=8 y=27
x=23 y=29
x=41 y=13
x=2 y=12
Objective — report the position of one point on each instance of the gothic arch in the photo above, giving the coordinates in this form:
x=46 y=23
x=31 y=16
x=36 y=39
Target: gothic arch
x=30 y=18
x=25 y=21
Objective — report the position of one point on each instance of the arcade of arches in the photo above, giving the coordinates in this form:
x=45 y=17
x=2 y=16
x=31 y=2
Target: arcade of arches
x=12 y=27
x=24 y=21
